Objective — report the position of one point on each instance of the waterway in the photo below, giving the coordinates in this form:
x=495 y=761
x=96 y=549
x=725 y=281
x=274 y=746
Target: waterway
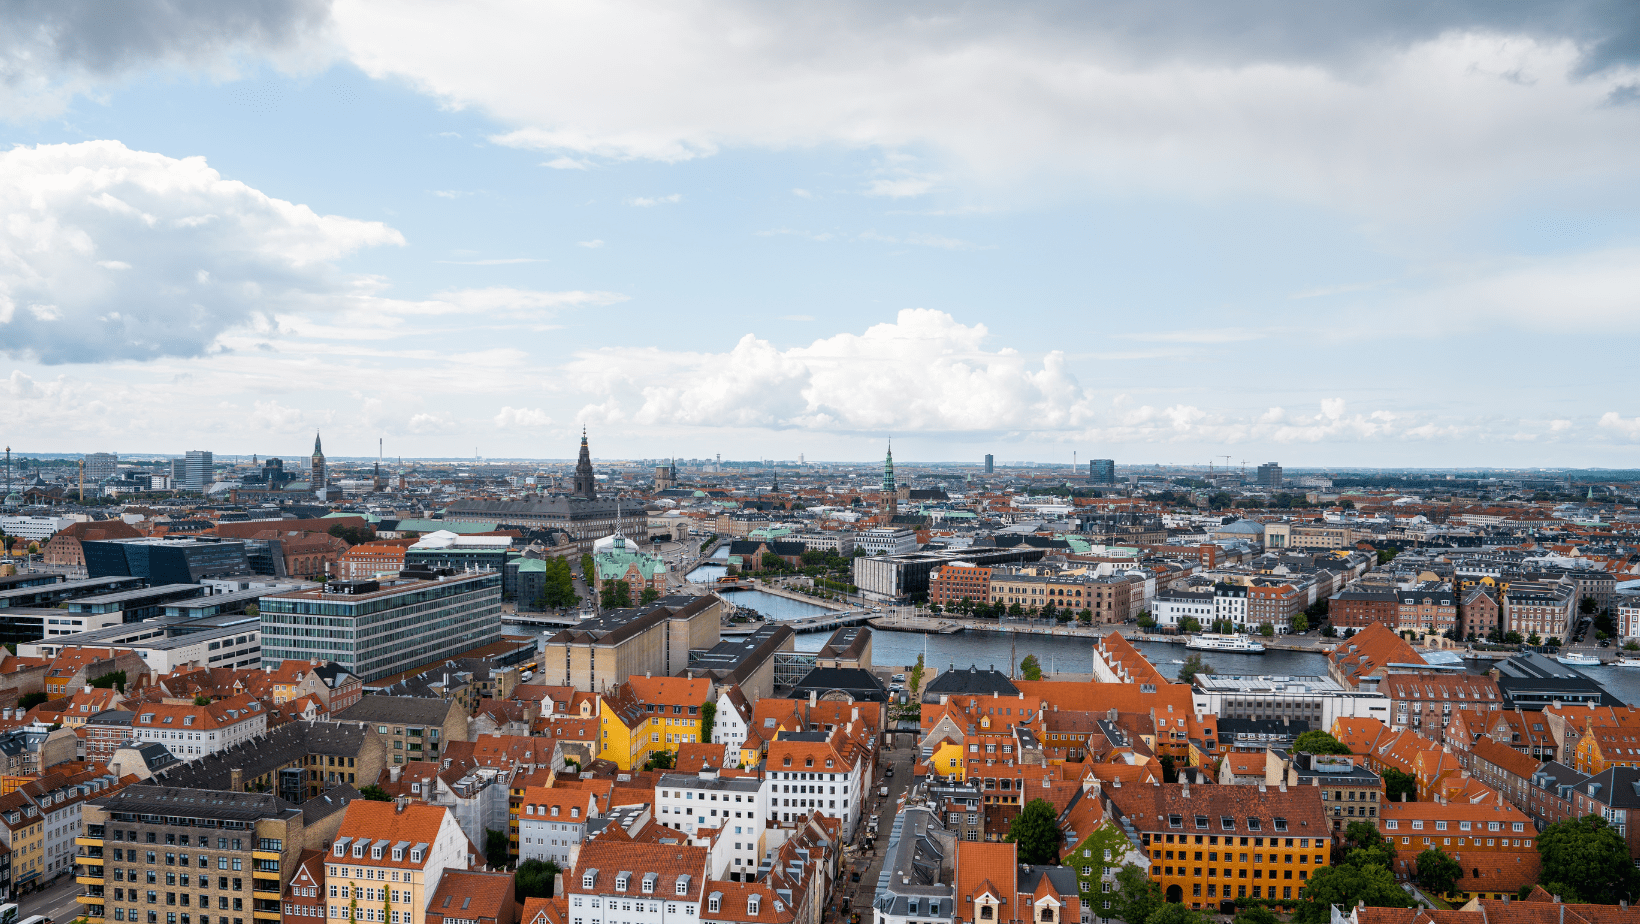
x=774 y=606
x=1075 y=656
x=706 y=574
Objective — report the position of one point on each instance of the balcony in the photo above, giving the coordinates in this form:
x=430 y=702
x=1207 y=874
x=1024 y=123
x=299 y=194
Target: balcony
x=266 y=887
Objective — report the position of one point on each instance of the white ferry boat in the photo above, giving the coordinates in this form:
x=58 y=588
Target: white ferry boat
x=1578 y=660
x=1240 y=644
x=1626 y=662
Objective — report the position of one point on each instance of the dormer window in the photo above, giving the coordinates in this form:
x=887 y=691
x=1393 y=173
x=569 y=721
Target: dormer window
x=752 y=904
x=1175 y=821
x=1253 y=824
x=167 y=720
x=358 y=850
x=376 y=852
x=398 y=854
x=714 y=902
x=588 y=878
x=986 y=913
x=1201 y=822
x=575 y=811
x=649 y=883
x=621 y=881
x=683 y=884
x=554 y=811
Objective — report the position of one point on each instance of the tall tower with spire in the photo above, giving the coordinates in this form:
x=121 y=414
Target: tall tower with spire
x=889 y=487
x=585 y=484
x=319 y=481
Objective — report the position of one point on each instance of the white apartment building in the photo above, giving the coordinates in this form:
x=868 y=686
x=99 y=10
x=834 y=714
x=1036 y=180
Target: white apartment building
x=191 y=732
x=34 y=529
x=1172 y=606
x=726 y=814
x=628 y=882
x=1230 y=602
x=730 y=724
x=819 y=773
x=553 y=823
x=884 y=541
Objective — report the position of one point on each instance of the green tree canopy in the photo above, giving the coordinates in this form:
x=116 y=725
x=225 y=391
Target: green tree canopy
x=534 y=878
x=649 y=595
x=1397 y=784
x=917 y=677
x=113 y=680
x=1136 y=896
x=1192 y=666
x=1362 y=845
x=1319 y=742
x=1256 y=914
x=1585 y=858
x=708 y=719
x=1030 y=668
x=616 y=595
x=495 y=848
x=1036 y=831
x=1189 y=625
x=374 y=793
x=1438 y=872
x=1171 y=913
x=1346 y=886
x=660 y=760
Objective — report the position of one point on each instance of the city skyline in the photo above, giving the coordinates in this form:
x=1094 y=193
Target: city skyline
x=1380 y=241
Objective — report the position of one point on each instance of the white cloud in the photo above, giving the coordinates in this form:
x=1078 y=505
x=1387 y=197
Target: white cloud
x=510 y=417
x=803 y=194
x=1393 y=114
x=197 y=254
x=271 y=415
x=797 y=317
x=497 y=261
x=1628 y=427
x=567 y=163
x=1560 y=426
x=592 y=244
x=899 y=188
x=644 y=203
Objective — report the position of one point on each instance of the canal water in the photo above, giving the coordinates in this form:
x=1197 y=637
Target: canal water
x=774 y=606
x=1075 y=655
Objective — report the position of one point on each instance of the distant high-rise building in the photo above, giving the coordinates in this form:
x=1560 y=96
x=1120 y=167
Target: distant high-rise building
x=100 y=466
x=196 y=470
x=990 y=463
x=1102 y=471
x=1269 y=475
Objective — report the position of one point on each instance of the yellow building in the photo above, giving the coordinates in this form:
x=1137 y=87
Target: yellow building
x=387 y=860
x=646 y=715
x=948 y=761
x=24 y=831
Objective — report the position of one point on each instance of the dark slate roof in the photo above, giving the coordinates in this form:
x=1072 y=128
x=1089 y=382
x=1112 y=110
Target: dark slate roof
x=1618 y=787
x=856 y=682
x=278 y=748
x=973 y=681
x=397 y=710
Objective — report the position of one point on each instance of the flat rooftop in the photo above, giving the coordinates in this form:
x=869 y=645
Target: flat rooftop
x=390 y=588
x=86 y=585
x=1267 y=684
x=143 y=593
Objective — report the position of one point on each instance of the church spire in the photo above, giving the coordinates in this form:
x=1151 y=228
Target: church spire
x=586 y=485
x=318 y=451
x=889 y=487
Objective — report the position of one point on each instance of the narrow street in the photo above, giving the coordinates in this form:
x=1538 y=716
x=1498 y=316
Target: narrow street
x=860 y=894
x=55 y=902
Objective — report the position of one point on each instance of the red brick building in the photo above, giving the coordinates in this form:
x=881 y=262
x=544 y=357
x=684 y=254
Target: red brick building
x=954 y=582
x=1359 y=608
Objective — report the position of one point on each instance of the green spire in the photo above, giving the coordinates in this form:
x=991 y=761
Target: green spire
x=888 y=470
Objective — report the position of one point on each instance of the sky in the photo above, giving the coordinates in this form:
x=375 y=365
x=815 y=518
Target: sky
x=1326 y=235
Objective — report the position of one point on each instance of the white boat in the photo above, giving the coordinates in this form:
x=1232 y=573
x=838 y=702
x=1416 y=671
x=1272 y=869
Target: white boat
x=1240 y=644
x=1626 y=662
x=1578 y=660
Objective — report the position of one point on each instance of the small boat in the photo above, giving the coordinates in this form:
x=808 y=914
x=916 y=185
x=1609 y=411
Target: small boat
x=1578 y=660
x=1232 y=643
x=1175 y=661
x=1626 y=662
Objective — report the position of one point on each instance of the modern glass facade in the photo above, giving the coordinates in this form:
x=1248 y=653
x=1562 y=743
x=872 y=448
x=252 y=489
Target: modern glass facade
x=377 y=633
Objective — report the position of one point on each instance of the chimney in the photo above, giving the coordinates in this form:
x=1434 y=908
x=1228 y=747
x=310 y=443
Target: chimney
x=814 y=698
x=399 y=804
x=393 y=774
x=236 y=780
x=1261 y=787
x=854 y=715
x=1283 y=785
x=1184 y=791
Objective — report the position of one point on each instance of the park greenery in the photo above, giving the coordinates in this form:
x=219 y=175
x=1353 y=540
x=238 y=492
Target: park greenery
x=1319 y=742
x=1360 y=873
x=1587 y=860
x=557 y=586
x=1035 y=831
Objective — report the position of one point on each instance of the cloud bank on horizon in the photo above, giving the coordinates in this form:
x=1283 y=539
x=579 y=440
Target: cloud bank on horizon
x=1373 y=234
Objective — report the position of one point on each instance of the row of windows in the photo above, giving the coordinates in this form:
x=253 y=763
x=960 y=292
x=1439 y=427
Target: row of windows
x=124 y=914
x=1213 y=872
x=152 y=878
x=172 y=859
x=1213 y=857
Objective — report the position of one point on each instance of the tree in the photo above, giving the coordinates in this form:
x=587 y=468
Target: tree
x=202 y=700
x=1587 y=606
x=660 y=760
x=649 y=595
x=1189 y=625
x=1036 y=830
x=916 y=677
x=1030 y=668
x=1192 y=666
x=113 y=680
x=1016 y=610
x=1085 y=617
x=1145 y=622
x=1397 y=783
x=1385 y=556
x=1319 y=742
x=495 y=848
x=534 y=878
x=1171 y=913
x=1256 y=914
x=773 y=562
x=1362 y=845
x=1588 y=859
x=1512 y=638
x=1346 y=886
x=708 y=719
x=1267 y=630
x=1050 y=611
x=1438 y=872
x=1346 y=504
x=1136 y=896
x=374 y=793
x=1301 y=623
x=29 y=700
x=615 y=595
